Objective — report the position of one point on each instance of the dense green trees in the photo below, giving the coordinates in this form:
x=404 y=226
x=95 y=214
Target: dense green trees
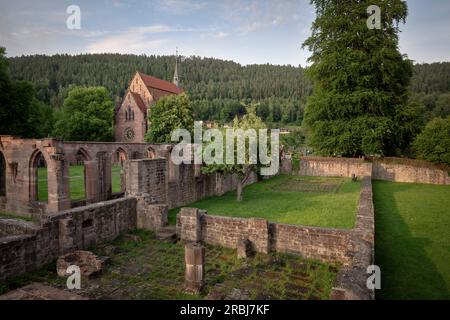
x=433 y=143
x=216 y=87
x=87 y=115
x=21 y=114
x=360 y=80
x=169 y=113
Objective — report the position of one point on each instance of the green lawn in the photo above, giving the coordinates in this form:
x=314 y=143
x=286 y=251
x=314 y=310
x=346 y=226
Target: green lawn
x=77 y=189
x=413 y=240
x=292 y=200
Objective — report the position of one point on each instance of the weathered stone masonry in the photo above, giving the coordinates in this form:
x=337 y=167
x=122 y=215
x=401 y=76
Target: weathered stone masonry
x=353 y=248
x=25 y=247
x=311 y=242
x=62 y=233
x=379 y=169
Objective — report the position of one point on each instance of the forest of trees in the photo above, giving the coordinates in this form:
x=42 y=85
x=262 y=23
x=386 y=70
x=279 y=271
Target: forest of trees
x=216 y=87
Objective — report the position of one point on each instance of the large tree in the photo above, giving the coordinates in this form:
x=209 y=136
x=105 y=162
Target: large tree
x=359 y=105
x=169 y=113
x=21 y=114
x=87 y=115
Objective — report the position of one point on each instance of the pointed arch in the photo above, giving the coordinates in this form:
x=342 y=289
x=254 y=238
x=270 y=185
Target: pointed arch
x=38 y=177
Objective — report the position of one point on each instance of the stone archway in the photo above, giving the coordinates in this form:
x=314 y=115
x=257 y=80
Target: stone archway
x=117 y=175
x=76 y=175
x=120 y=155
x=38 y=177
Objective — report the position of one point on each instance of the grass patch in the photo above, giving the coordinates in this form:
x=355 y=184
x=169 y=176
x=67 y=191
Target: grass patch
x=77 y=183
x=150 y=269
x=412 y=240
x=278 y=200
x=8 y=215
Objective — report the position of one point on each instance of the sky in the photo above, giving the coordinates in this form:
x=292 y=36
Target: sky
x=245 y=31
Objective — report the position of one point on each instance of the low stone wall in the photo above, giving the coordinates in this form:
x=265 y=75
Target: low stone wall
x=408 y=173
x=12 y=227
x=353 y=248
x=380 y=169
x=351 y=281
x=334 y=167
x=316 y=243
x=70 y=230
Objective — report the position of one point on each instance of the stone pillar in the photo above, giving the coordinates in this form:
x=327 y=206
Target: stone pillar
x=91 y=180
x=258 y=233
x=190 y=227
x=58 y=183
x=244 y=249
x=147 y=177
x=195 y=271
x=104 y=176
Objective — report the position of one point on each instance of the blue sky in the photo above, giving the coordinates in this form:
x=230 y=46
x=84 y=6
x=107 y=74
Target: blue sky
x=246 y=31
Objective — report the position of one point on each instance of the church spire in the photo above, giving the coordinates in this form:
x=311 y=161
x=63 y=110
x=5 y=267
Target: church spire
x=176 y=78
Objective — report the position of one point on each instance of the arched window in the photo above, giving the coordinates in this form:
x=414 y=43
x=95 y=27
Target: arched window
x=132 y=115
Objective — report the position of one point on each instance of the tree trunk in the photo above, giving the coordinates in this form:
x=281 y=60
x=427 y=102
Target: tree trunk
x=239 y=190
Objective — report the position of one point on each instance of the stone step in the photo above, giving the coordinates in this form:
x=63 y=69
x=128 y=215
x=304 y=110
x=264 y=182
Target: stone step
x=167 y=234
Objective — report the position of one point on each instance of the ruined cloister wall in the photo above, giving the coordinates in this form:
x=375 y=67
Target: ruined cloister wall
x=24 y=247
x=334 y=167
x=408 y=173
x=352 y=248
x=411 y=171
x=21 y=157
x=325 y=244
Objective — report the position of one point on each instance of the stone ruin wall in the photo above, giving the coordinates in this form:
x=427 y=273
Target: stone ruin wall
x=334 y=167
x=352 y=248
x=25 y=247
x=414 y=172
x=324 y=244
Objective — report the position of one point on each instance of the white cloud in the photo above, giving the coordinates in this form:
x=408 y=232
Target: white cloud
x=136 y=40
x=257 y=15
x=181 y=6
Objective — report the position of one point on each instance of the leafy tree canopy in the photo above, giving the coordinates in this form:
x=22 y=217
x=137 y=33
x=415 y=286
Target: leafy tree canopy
x=169 y=113
x=21 y=114
x=87 y=115
x=360 y=79
x=433 y=143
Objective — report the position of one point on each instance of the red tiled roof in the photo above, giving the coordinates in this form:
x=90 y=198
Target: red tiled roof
x=139 y=102
x=156 y=83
